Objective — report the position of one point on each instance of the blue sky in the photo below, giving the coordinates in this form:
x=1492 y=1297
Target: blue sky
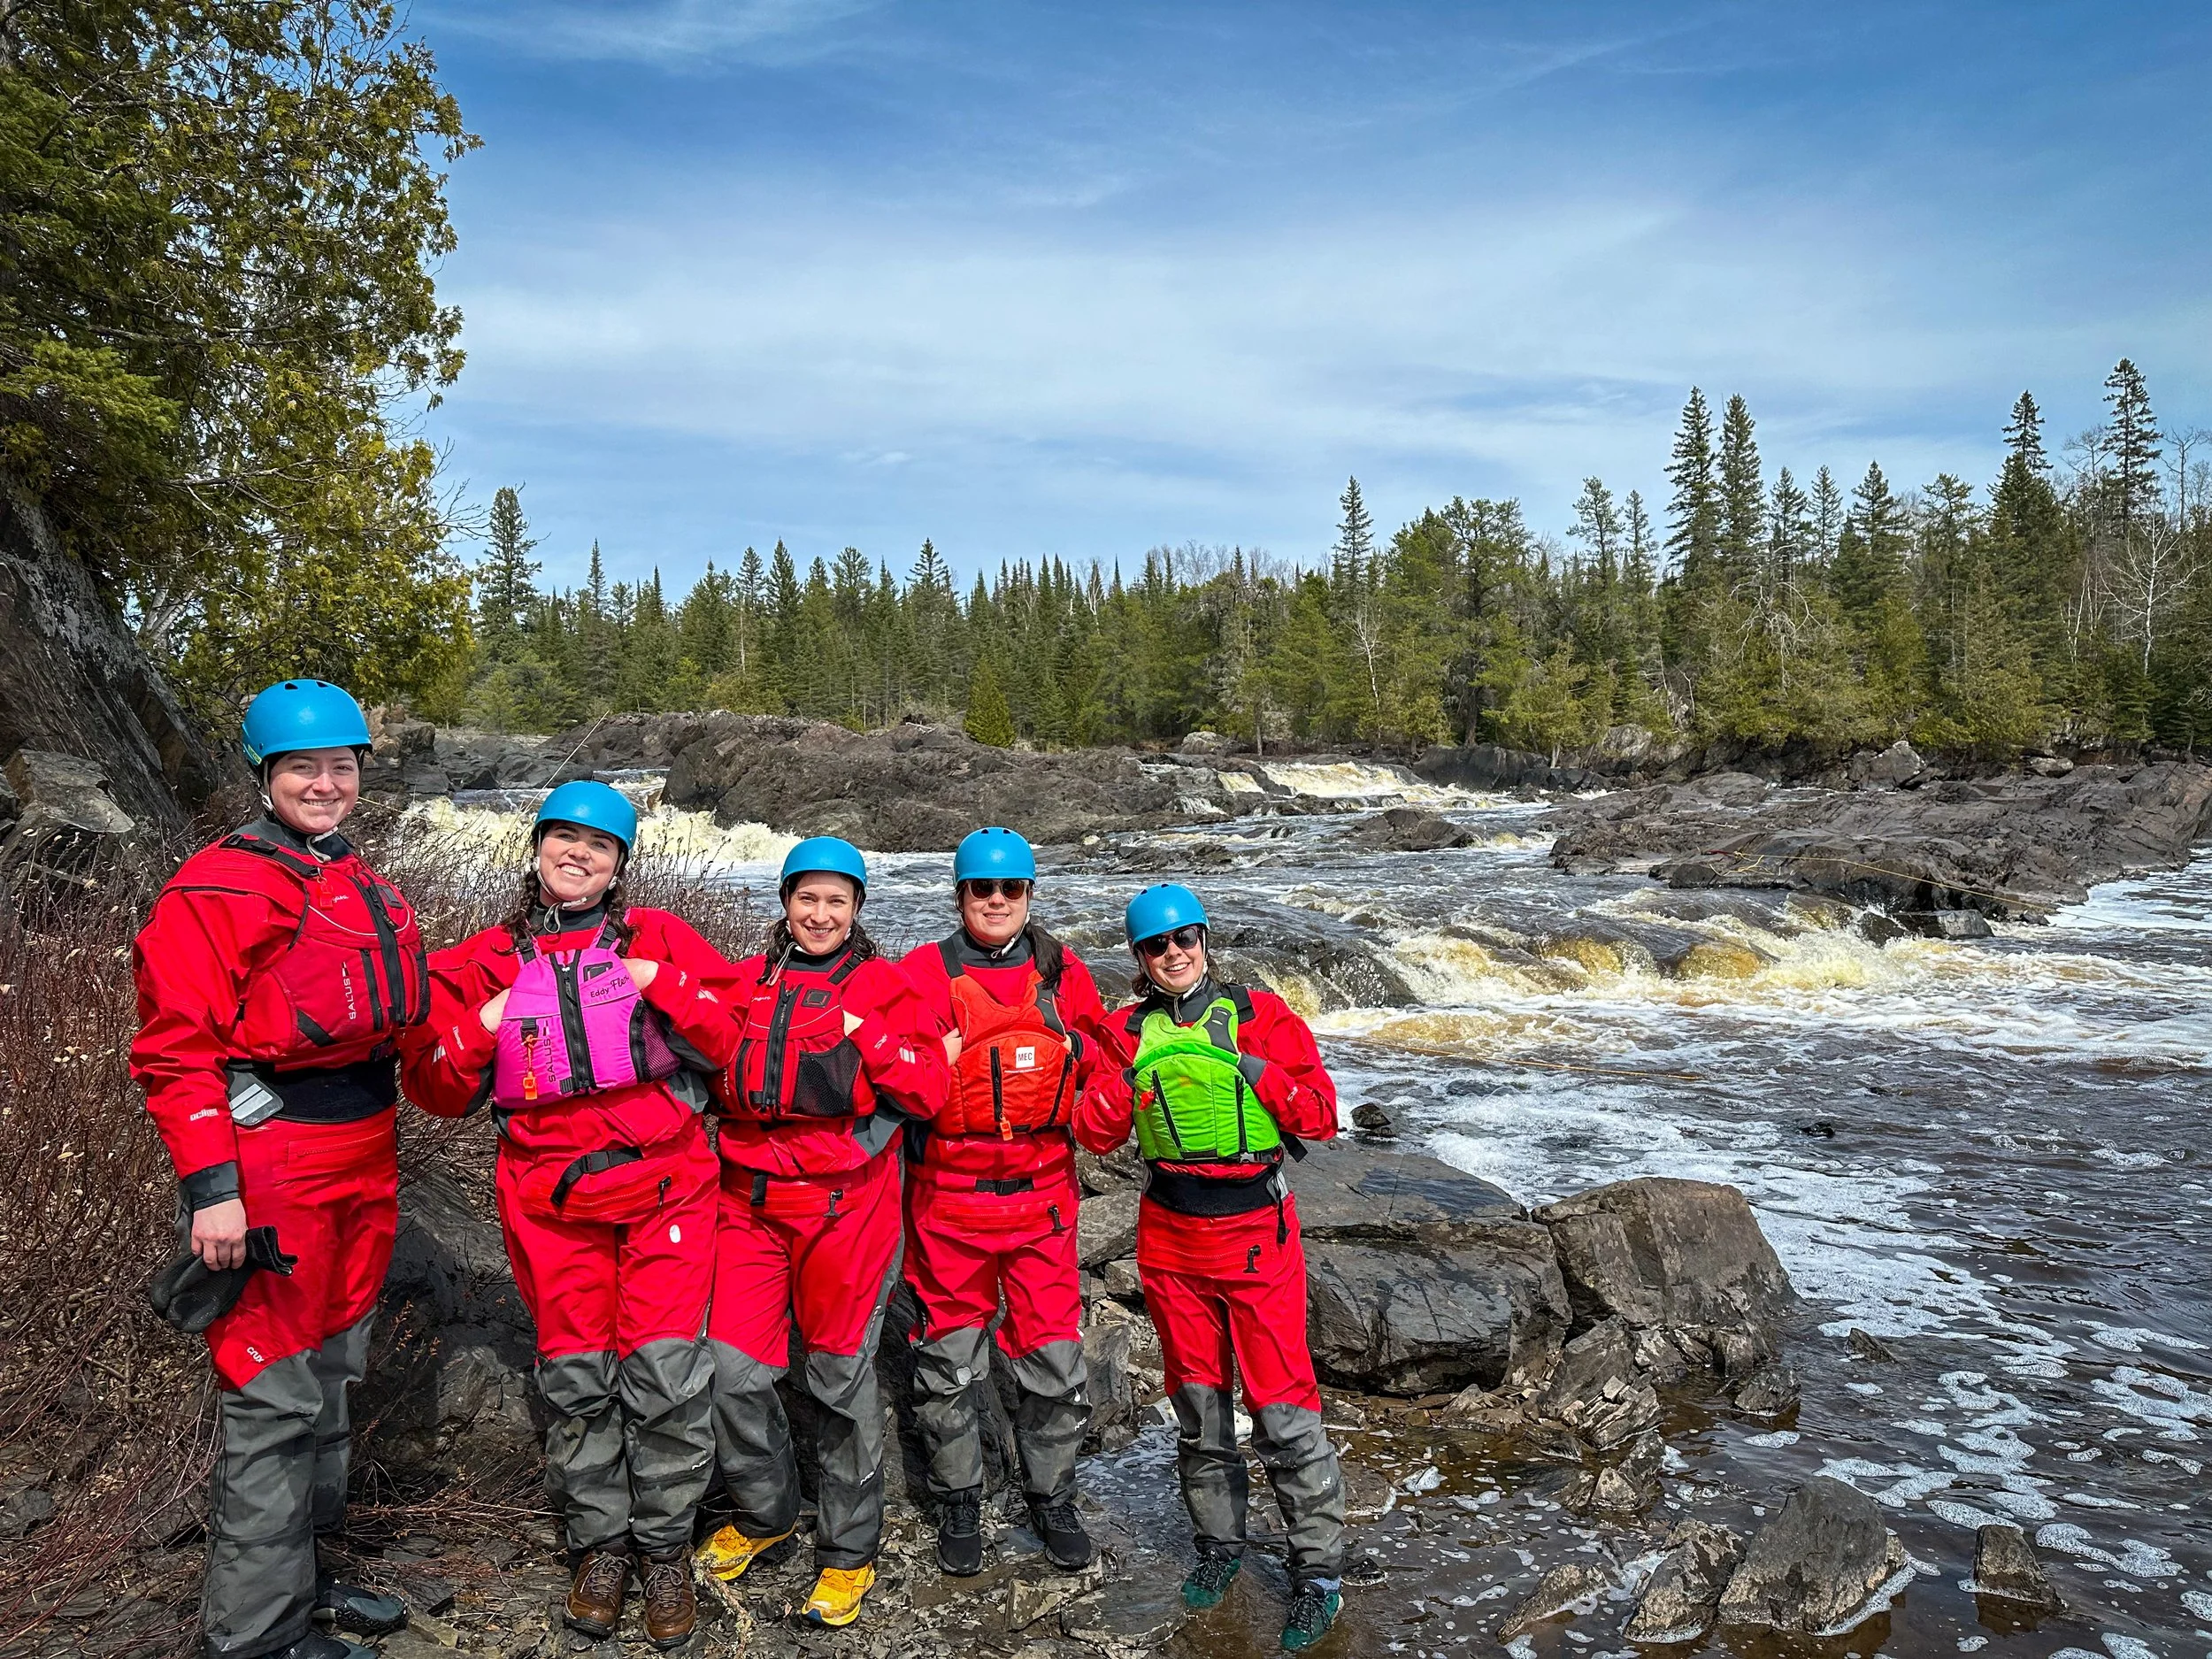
x=1054 y=279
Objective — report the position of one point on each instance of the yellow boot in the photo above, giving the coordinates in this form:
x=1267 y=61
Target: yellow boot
x=729 y=1552
x=837 y=1592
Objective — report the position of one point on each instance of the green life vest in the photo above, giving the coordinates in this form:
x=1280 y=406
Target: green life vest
x=1192 y=1105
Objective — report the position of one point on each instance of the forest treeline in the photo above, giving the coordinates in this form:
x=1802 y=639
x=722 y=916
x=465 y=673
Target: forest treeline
x=2064 y=604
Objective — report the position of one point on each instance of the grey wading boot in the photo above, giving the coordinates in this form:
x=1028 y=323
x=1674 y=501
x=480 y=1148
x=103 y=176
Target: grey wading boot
x=960 y=1534
x=316 y=1645
x=349 y=1607
x=1067 y=1546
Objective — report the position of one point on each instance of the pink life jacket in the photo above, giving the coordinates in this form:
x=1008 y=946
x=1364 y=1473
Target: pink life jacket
x=576 y=1024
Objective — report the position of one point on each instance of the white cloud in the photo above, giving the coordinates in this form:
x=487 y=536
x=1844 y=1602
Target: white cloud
x=674 y=34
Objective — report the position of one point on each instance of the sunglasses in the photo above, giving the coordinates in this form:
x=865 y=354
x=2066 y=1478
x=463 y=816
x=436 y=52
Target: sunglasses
x=1187 y=938
x=1012 y=887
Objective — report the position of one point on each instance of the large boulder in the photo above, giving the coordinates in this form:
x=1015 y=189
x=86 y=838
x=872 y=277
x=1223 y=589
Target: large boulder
x=2007 y=846
x=1420 y=1277
x=66 y=824
x=1681 y=1599
x=1824 y=1564
x=1410 y=829
x=1682 y=1257
x=74 y=681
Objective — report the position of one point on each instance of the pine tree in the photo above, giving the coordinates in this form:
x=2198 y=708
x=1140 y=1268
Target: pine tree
x=1789 y=530
x=1742 y=495
x=1829 y=515
x=2131 y=447
x=505 y=594
x=1870 y=554
x=1355 y=551
x=1694 y=511
x=2023 y=435
x=1597 y=526
x=989 y=720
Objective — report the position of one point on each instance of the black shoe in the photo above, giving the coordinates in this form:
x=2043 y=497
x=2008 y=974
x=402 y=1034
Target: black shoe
x=315 y=1645
x=960 y=1534
x=349 y=1607
x=1210 y=1580
x=1067 y=1546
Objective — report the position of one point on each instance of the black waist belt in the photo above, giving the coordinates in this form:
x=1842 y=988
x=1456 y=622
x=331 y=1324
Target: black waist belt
x=1007 y=1187
x=593 y=1163
x=1237 y=1194
x=338 y=1094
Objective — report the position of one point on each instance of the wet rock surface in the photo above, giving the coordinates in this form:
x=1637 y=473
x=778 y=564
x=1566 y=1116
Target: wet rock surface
x=1819 y=1566
x=2006 y=1569
x=2010 y=846
x=1681 y=1599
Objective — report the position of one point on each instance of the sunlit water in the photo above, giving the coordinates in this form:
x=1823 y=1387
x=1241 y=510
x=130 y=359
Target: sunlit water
x=1991 y=1156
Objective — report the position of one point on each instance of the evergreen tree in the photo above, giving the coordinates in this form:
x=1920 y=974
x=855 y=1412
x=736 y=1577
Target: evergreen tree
x=505 y=595
x=989 y=720
x=1829 y=514
x=1870 y=554
x=1742 y=495
x=1694 y=511
x=1355 y=551
x=1790 y=532
x=2023 y=435
x=2131 y=447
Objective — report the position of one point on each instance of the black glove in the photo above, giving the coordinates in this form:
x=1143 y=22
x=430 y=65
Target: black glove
x=191 y=1296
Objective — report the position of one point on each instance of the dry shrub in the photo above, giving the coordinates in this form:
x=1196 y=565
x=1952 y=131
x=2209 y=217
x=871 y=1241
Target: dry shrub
x=104 y=1408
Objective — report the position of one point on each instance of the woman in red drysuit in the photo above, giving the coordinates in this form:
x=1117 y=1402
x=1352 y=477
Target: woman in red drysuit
x=275 y=973
x=1220 y=1081
x=833 y=1057
x=606 y=1195
x=991 y=1200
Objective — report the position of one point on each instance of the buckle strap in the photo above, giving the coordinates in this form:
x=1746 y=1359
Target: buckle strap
x=1007 y=1187
x=593 y=1163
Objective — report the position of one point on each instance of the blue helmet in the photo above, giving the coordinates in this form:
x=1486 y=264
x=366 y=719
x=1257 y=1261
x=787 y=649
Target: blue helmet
x=1162 y=910
x=296 y=714
x=993 y=852
x=594 y=805
x=825 y=853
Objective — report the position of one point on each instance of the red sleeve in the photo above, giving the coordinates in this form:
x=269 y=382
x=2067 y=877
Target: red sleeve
x=902 y=1056
x=697 y=987
x=924 y=971
x=220 y=919
x=1105 y=1111
x=1294 y=1085
x=1084 y=1013
x=444 y=1060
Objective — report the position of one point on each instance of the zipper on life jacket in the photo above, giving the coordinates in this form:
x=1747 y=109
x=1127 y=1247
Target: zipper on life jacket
x=770 y=1094
x=1244 y=1146
x=1168 y=1112
x=998 y=1099
x=1059 y=1092
x=581 y=1079
x=529 y=1059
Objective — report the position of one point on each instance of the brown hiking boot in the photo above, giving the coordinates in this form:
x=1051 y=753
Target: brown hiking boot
x=595 y=1595
x=671 y=1606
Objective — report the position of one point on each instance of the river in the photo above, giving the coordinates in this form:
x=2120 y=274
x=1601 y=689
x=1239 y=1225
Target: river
x=1990 y=1156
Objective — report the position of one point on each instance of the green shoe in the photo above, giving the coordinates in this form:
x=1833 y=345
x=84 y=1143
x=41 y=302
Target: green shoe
x=1210 y=1579
x=1312 y=1610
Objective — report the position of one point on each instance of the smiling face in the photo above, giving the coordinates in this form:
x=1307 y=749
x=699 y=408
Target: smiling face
x=820 y=910
x=576 y=865
x=993 y=918
x=1181 y=964
x=312 y=789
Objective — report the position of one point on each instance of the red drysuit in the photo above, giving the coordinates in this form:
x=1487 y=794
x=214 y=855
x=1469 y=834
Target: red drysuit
x=594 y=1277
x=986 y=1213
x=271 y=963
x=1230 y=1278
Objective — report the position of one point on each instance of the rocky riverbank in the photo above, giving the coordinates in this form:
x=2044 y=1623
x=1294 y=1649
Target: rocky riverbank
x=1562 y=1341
x=2012 y=847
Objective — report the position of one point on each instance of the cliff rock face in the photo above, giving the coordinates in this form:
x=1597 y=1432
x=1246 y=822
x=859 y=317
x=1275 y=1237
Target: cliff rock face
x=75 y=683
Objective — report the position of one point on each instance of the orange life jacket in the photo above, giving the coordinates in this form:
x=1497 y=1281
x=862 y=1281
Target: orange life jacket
x=1015 y=1074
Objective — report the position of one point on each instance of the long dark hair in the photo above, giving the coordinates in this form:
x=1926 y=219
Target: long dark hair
x=531 y=909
